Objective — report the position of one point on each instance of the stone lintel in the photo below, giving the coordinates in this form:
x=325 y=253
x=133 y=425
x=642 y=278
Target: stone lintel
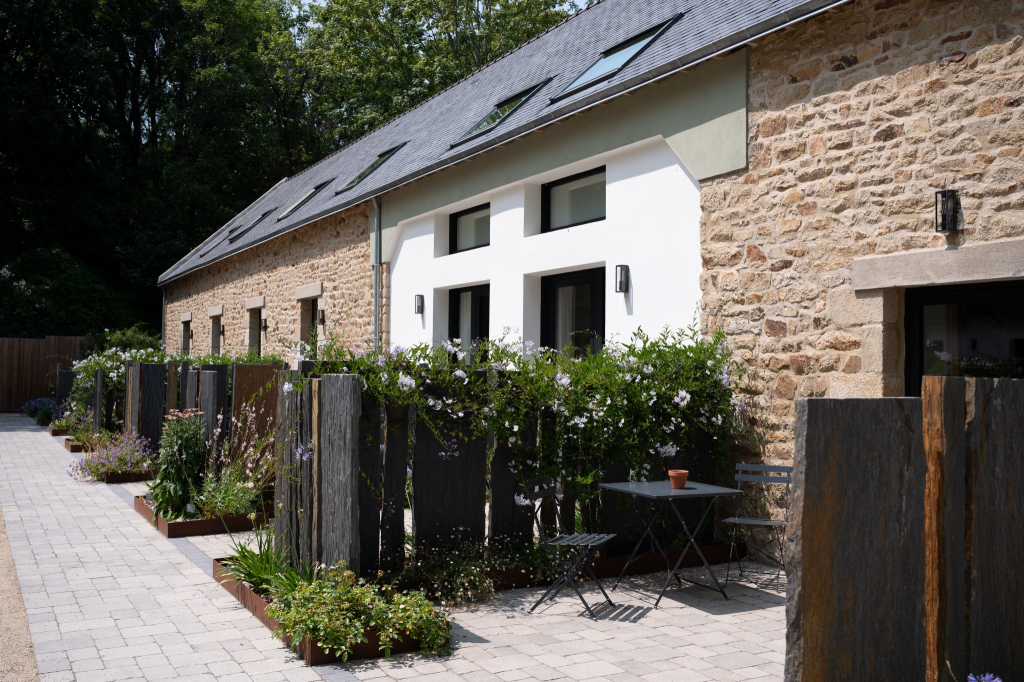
x=186 y=317
x=215 y=311
x=980 y=262
x=255 y=302
x=314 y=290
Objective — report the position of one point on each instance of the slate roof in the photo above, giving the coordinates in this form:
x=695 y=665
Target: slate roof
x=428 y=131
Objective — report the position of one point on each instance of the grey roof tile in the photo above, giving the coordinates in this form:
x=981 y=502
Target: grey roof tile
x=561 y=53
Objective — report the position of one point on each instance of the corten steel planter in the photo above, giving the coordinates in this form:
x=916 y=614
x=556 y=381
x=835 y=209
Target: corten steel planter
x=181 y=529
x=312 y=654
x=54 y=431
x=128 y=477
x=72 y=446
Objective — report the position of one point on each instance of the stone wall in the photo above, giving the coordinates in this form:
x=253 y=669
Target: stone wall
x=856 y=117
x=334 y=250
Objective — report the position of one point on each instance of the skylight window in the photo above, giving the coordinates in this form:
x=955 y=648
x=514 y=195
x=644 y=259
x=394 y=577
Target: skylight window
x=251 y=225
x=615 y=59
x=501 y=111
x=305 y=197
x=374 y=165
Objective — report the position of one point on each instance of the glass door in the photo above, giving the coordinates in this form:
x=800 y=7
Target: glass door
x=469 y=312
x=572 y=311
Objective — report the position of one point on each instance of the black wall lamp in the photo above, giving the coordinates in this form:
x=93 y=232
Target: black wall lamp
x=621 y=279
x=323 y=318
x=947 y=205
x=264 y=327
x=418 y=304
x=222 y=330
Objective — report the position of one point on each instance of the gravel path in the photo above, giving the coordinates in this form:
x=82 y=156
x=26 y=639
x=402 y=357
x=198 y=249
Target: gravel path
x=17 y=657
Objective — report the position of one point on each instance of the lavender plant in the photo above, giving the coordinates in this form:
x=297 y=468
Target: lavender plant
x=119 y=453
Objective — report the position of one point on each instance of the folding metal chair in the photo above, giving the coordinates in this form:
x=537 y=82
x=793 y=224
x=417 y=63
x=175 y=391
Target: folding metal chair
x=583 y=545
x=776 y=528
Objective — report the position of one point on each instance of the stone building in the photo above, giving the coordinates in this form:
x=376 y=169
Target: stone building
x=768 y=168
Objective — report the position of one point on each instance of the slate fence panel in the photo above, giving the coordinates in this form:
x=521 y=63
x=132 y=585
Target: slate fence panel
x=448 y=488
x=219 y=401
x=211 y=404
x=339 y=452
x=995 y=556
x=171 y=397
x=98 y=400
x=855 y=542
x=398 y=419
x=286 y=494
x=255 y=388
x=192 y=390
x=508 y=519
x=183 y=379
x=65 y=381
x=370 y=481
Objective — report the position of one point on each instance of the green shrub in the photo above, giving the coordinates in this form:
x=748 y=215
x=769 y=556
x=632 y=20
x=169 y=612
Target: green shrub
x=180 y=466
x=336 y=611
x=229 y=492
x=453 y=572
x=120 y=453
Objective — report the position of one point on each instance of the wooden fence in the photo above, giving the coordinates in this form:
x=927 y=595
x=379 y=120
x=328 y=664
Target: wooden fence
x=903 y=548
x=28 y=367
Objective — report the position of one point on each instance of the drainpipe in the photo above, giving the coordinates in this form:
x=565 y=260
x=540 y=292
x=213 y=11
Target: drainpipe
x=376 y=273
x=163 y=319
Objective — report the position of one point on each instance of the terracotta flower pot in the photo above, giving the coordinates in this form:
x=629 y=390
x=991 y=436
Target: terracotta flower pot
x=678 y=478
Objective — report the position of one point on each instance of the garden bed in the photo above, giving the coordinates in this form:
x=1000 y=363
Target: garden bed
x=128 y=477
x=311 y=653
x=42 y=422
x=54 y=431
x=181 y=529
x=72 y=446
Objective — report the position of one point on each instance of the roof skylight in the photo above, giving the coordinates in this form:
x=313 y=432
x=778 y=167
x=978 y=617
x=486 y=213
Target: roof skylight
x=305 y=197
x=251 y=225
x=501 y=111
x=374 y=165
x=615 y=59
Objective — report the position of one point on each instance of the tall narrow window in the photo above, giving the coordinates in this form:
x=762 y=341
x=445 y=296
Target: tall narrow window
x=966 y=330
x=256 y=331
x=309 y=323
x=469 y=229
x=186 y=337
x=575 y=200
x=374 y=165
x=615 y=59
x=215 y=334
x=469 y=313
x=572 y=311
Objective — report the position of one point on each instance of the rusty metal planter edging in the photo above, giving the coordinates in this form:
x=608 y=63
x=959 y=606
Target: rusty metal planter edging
x=181 y=529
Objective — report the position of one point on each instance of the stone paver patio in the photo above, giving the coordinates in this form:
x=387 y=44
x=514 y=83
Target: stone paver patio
x=108 y=598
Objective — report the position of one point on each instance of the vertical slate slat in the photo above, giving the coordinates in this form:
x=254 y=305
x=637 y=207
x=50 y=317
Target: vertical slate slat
x=221 y=402
x=304 y=495
x=287 y=437
x=339 y=466
x=65 y=380
x=396 y=462
x=150 y=403
x=943 y=400
x=508 y=519
x=371 y=472
x=192 y=392
x=855 y=542
x=448 y=493
x=183 y=377
x=171 y=399
x=97 y=401
x=995 y=442
x=208 y=389
x=132 y=396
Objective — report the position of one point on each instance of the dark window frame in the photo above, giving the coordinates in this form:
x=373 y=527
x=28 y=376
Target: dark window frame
x=545 y=200
x=372 y=167
x=655 y=32
x=453 y=237
x=913 y=321
x=453 y=310
x=548 y=285
x=526 y=94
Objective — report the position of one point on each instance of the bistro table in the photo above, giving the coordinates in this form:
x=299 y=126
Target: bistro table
x=663 y=494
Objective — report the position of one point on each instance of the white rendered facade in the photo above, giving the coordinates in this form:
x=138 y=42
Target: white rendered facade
x=652 y=224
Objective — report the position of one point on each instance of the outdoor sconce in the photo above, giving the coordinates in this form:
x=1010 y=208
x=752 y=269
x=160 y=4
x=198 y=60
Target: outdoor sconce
x=190 y=335
x=222 y=330
x=264 y=327
x=621 y=279
x=418 y=304
x=323 y=318
x=947 y=205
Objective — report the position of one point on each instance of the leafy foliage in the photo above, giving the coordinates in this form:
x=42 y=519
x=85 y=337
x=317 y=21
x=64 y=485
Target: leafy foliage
x=119 y=453
x=180 y=466
x=336 y=610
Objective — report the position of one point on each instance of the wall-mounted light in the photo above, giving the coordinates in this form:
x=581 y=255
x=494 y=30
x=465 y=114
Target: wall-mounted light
x=264 y=327
x=190 y=335
x=621 y=279
x=947 y=205
x=222 y=330
x=418 y=304
x=323 y=318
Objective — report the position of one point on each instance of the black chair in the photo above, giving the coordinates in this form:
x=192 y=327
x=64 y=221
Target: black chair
x=761 y=474
x=583 y=546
